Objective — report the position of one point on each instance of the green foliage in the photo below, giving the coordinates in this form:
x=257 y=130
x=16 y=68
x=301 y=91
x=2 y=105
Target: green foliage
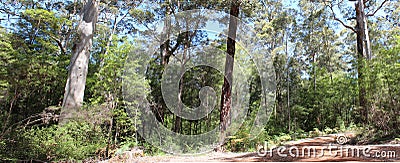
x=342 y=126
x=32 y=68
x=71 y=141
x=383 y=78
x=328 y=130
x=48 y=21
x=125 y=146
x=241 y=142
x=315 y=69
x=282 y=137
x=68 y=142
x=6 y=57
x=315 y=133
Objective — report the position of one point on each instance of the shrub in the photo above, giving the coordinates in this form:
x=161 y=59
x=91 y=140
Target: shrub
x=328 y=130
x=71 y=141
x=315 y=133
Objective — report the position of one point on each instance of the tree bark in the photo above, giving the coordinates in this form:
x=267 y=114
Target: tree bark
x=226 y=88
x=288 y=81
x=78 y=68
x=165 y=53
x=363 y=54
x=178 y=120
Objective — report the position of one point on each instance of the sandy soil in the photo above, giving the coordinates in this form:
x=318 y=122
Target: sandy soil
x=291 y=151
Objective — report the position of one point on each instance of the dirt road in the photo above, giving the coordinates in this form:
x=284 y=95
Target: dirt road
x=308 y=150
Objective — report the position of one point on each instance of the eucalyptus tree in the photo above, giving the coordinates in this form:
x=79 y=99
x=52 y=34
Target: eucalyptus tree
x=226 y=96
x=78 y=68
x=276 y=25
x=363 y=9
x=316 y=45
x=112 y=18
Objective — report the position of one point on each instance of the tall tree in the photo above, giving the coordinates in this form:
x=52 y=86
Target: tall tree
x=363 y=45
x=78 y=68
x=226 y=98
x=275 y=27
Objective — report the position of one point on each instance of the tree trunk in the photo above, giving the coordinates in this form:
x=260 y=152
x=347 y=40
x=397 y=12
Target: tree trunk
x=288 y=81
x=363 y=53
x=226 y=88
x=164 y=54
x=178 y=120
x=78 y=68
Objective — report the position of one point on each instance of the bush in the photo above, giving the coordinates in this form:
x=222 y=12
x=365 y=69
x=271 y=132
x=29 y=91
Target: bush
x=71 y=141
x=298 y=134
x=284 y=137
x=315 y=133
x=281 y=138
x=328 y=130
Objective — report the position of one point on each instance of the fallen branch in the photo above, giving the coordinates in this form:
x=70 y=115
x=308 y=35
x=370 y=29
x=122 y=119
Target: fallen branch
x=47 y=116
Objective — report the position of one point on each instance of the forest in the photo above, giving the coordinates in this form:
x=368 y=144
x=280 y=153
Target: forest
x=85 y=80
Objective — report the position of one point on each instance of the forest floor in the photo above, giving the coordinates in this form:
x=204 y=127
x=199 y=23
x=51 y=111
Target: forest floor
x=389 y=151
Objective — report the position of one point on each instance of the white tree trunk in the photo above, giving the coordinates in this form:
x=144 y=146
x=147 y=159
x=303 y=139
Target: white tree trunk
x=363 y=29
x=364 y=53
x=78 y=68
x=367 y=43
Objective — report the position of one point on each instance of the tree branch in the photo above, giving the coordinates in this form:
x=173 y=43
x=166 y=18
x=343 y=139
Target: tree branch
x=340 y=21
x=8 y=12
x=63 y=50
x=377 y=8
x=27 y=120
x=352 y=18
x=178 y=42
